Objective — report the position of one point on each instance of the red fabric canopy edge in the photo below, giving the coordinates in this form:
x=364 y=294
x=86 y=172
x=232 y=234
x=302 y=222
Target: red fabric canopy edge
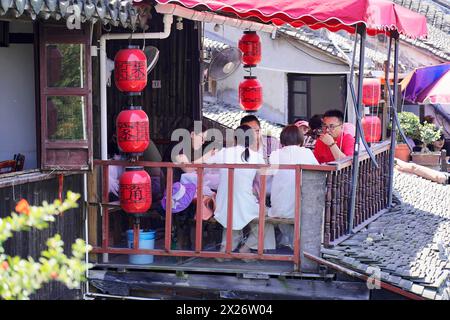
x=379 y=16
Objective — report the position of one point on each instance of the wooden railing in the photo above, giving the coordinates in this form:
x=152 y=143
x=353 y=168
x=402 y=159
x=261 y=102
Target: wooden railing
x=198 y=251
x=370 y=202
x=371 y=194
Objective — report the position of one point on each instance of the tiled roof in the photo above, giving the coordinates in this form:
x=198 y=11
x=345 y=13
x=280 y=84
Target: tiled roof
x=436 y=12
x=340 y=45
x=230 y=116
x=316 y=38
x=437 y=43
x=115 y=12
x=410 y=244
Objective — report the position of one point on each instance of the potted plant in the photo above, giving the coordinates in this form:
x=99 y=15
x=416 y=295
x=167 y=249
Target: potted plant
x=410 y=125
x=428 y=133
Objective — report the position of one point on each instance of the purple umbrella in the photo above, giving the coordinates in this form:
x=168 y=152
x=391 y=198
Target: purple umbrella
x=428 y=85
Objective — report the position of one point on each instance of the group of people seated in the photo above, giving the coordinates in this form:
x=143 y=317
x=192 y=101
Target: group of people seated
x=320 y=140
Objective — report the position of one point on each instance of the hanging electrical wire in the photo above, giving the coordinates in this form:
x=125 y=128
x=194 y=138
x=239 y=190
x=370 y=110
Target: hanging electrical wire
x=287 y=38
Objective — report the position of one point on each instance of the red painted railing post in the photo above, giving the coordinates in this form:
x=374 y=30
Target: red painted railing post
x=105 y=210
x=229 y=237
x=168 y=226
x=198 y=216
x=136 y=231
x=262 y=213
x=298 y=188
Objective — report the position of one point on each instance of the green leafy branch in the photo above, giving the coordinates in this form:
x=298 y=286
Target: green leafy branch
x=19 y=278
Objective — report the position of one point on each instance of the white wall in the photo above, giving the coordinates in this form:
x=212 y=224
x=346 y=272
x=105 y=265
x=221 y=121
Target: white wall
x=17 y=100
x=278 y=58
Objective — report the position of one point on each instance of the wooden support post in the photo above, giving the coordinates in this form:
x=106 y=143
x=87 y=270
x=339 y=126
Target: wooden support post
x=262 y=213
x=198 y=216
x=385 y=118
x=105 y=210
x=168 y=225
x=229 y=237
x=298 y=214
x=92 y=211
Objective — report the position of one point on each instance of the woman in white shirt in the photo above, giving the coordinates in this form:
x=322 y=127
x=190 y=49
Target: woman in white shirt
x=282 y=197
x=245 y=202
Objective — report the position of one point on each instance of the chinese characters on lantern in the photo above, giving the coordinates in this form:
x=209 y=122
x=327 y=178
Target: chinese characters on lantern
x=130 y=73
x=131 y=194
x=132 y=131
x=131 y=70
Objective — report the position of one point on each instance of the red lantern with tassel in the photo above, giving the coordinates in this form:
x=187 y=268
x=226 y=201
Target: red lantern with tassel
x=135 y=190
x=371 y=91
x=250 y=94
x=130 y=70
x=250 y=45
x=133 y=130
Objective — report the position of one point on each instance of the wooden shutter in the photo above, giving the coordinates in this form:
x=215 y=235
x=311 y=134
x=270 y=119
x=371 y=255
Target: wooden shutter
x=65 y=98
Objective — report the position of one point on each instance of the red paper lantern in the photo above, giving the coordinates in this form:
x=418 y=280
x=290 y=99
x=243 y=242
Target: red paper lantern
x=130 y=70
x=250 y=45
x=250 y=94
x=133 y=130
x=371 y=91
x=372 y=128
x=135 y=190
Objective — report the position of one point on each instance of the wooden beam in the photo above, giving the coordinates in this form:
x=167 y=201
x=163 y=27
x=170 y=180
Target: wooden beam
x=363 y=277
x=92 y=188
x=4 y=34
x=224 y=286
x=21 y=38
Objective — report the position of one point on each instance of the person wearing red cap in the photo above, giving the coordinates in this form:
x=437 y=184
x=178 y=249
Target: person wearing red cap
x=303 y=125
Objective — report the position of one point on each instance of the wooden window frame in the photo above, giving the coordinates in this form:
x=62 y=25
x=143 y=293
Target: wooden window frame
x=291 y=92
x=61 y=35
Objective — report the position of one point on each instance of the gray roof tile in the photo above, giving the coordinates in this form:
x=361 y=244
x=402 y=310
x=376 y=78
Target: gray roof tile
x=417 y=289
x=406 y=284
x=429 y=294
x=114 y=12
x=413 y=253
x=230 y=116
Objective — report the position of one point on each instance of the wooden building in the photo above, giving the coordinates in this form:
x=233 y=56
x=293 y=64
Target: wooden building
x=64 y=124
x=50 y=107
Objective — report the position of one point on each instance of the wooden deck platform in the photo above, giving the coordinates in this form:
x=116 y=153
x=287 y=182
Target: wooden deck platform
x=164 y=285
x=206 y=265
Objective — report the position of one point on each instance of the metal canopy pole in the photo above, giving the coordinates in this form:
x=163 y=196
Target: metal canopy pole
x=394 y=116
x=355 y=167
x=393 y=100
x=355 y=107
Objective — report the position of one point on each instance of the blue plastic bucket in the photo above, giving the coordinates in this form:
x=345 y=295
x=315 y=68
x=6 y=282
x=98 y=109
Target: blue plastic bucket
x=146 y=241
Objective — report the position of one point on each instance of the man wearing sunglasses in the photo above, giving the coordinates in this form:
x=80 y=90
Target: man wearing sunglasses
x=333 y=144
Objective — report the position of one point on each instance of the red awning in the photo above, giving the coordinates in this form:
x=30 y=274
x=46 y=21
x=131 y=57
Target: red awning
x=379 y=16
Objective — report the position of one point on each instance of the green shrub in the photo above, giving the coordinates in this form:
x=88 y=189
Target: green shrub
x=410 y=123
x=429 y=133
x=19 y=278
